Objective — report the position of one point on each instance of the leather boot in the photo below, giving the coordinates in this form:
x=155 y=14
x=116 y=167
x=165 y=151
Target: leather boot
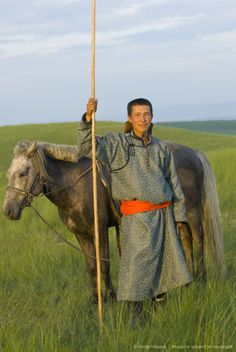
x=159 y=300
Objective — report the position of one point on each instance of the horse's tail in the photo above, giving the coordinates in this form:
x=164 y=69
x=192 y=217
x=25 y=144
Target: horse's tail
x=211 y=216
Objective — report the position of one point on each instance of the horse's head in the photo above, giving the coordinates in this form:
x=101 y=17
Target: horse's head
x=25 y=178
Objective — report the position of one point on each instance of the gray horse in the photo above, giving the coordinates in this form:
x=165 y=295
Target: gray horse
x=53 y=170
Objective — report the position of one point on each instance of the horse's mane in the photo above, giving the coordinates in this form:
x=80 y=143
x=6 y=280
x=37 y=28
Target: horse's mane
x=21 y=147
x=60 y=151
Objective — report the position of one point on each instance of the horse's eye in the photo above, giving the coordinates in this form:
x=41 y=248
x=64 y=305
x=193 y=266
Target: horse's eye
x=24 y=173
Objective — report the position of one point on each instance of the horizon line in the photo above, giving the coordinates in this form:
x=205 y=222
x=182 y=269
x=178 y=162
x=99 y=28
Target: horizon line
x=233 y=118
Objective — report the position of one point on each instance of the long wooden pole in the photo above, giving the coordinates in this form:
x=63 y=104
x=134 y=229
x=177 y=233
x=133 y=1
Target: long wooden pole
x=95 y=207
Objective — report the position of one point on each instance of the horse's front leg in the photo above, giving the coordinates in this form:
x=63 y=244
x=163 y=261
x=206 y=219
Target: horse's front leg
x=87 y=245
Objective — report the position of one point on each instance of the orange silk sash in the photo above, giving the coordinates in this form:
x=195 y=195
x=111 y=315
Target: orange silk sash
x=131 y=207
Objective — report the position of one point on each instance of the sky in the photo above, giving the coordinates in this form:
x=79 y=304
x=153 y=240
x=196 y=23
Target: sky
x=179 y=54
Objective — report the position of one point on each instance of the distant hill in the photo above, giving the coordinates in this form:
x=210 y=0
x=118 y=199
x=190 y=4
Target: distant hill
x=223 y=126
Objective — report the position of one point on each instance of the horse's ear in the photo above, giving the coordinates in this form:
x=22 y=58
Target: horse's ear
x=32 y=149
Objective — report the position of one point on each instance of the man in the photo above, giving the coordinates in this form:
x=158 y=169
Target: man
x=144 y=180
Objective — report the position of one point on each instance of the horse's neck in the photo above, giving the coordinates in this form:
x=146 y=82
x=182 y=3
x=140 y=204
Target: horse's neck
x=62 y=177
x=59 y=176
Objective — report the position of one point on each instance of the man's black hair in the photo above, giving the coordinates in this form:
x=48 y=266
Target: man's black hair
x=138 y=101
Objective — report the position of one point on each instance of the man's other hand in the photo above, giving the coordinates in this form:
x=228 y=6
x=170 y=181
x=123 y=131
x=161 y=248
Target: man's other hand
x=179 y=224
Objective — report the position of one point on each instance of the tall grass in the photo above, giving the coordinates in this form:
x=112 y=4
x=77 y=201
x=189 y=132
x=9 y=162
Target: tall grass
x=44 y=286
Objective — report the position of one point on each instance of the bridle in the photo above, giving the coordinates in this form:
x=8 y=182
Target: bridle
x=29 y=192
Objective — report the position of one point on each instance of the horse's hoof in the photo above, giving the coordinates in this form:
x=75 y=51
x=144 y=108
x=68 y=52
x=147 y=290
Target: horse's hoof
x=110 y=296
x=93 y=299
x=199 y=277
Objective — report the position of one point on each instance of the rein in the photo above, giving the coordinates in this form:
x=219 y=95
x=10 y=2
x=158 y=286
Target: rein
x=66 y=187
x=61 y=237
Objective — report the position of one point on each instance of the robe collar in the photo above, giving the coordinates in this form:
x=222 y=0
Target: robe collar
x=136 y=140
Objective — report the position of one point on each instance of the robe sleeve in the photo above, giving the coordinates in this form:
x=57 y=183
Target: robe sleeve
x=84 y=142
x=178 y=196
x=105 y=145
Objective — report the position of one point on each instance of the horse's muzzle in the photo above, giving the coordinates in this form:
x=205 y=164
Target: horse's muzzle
x=11 y=211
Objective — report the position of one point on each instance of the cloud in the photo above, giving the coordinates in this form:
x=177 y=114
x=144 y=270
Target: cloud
x=130 y=10
x=43 y=45
x=225 y=38
x=58 y=2
x=202 y=54
x=26 y=44
x=162 y=25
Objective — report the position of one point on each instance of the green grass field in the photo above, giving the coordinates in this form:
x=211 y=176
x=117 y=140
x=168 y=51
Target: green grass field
x=45 y=289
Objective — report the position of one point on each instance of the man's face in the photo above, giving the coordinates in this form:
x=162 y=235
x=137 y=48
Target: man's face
x=141 y=119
